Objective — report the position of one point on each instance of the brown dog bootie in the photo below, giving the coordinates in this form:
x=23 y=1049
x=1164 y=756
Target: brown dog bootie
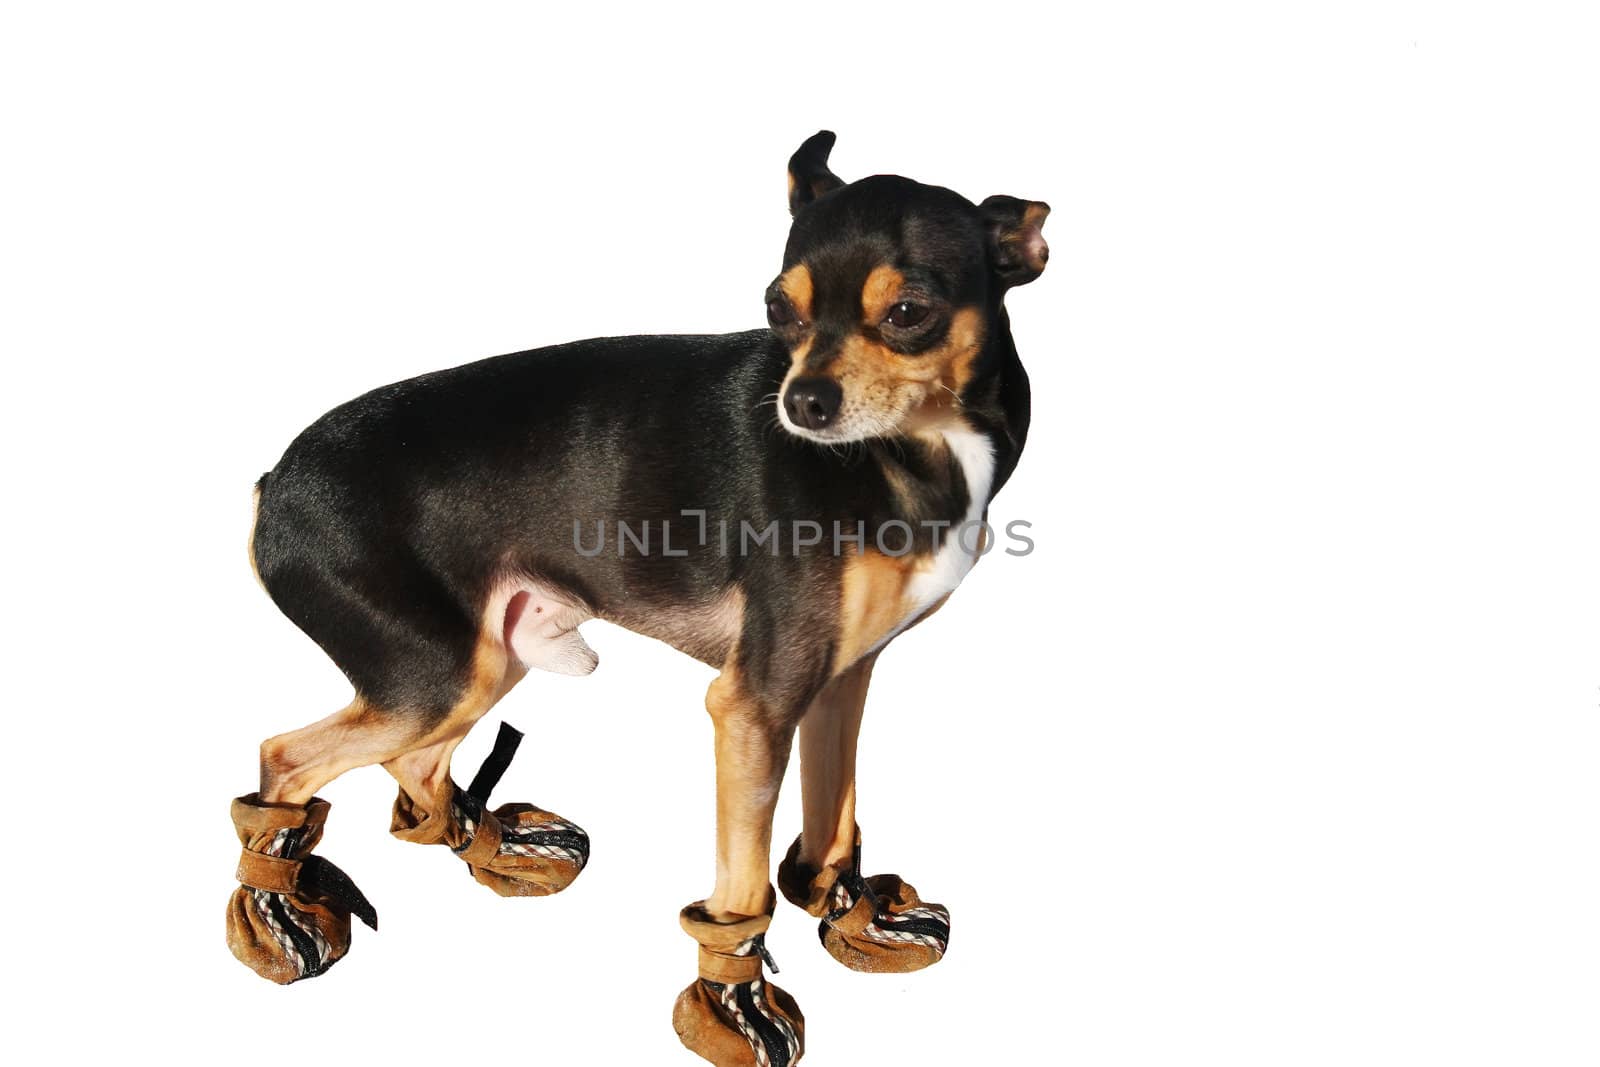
x=876 y=924
x=517 y=850
x=730 y=1015
x=290 y=917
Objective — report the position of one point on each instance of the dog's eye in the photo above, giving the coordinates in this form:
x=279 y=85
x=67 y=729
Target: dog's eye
x=778 y=312
x=906 y=314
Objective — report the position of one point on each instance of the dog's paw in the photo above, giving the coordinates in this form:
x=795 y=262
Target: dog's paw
x=740 y=1024
x=876 y=924
x=731 y=1015
x=290 y=916
x=517 y=850
x=879 y=924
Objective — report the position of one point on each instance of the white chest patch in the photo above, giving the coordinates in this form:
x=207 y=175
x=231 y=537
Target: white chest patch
x=962 y=544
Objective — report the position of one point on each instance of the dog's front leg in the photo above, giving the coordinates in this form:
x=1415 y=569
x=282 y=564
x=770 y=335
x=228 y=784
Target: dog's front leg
x=753 y=740
x=731 y=1015
x=875 y=923
x=828 y=767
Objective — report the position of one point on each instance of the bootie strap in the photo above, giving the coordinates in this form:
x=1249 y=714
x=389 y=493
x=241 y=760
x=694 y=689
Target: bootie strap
x=726 y=969
x=482 y=829
x=494 y=765
x=274 y=874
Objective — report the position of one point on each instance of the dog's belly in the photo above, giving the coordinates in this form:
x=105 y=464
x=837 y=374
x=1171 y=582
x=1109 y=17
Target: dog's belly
x=707 y=631
x=880 y=595
x=538 y=624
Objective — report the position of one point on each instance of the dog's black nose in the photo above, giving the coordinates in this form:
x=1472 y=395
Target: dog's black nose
x=813 y=402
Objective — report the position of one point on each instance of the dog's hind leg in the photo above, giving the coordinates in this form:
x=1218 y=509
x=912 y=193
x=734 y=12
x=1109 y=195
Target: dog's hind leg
x=517 y=850
x=290 y=916
x=297 y=764
x=875 y=923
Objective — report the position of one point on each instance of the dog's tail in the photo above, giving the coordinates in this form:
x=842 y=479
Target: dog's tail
x=255 y=515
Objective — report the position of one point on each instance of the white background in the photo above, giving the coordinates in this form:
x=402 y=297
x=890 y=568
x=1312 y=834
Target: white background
x=1281 y=749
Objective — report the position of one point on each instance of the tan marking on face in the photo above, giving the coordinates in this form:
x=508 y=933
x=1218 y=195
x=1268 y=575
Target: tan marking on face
x=960 y=349
x=879 y=292
x=886 y=392
x=796 y=285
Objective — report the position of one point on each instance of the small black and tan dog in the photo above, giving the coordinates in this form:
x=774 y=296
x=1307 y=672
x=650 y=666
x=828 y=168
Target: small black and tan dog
x=813 y=489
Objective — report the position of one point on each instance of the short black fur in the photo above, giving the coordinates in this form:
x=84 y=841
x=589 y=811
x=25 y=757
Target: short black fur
x=387 y=522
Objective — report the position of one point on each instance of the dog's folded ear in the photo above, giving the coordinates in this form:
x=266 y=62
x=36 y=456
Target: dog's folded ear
x=809 y=176
x=1017 y=249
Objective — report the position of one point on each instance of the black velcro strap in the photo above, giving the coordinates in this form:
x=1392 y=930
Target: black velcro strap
x=322 y=882
x=495 y=764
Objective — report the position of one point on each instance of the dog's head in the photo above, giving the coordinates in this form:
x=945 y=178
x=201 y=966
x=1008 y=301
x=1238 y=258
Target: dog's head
x=888 y=293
